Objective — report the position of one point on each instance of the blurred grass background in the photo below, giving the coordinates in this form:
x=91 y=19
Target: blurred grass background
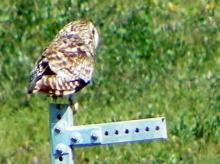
x=156 y=58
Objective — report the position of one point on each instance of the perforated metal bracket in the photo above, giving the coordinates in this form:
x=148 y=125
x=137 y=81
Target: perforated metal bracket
x=64 y=133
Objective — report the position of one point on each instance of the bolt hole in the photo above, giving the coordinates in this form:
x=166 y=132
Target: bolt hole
x=106 y=133
x=58 y=106
x=59 y=116
x=126 y=131
x=157 y=127
x=116 y=132
x=147 y=129
x=137 y=130
x=57 y=130
x=60 y=158
x=74 y=140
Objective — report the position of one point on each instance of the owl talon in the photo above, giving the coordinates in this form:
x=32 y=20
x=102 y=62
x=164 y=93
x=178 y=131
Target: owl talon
x=73 y=109
x=72 y=104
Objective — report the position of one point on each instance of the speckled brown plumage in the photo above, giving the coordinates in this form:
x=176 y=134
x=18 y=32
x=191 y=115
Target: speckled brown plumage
x=67 y=64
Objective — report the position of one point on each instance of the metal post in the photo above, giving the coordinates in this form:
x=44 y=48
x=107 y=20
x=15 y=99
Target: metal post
x=61 y=117
x=64 y=136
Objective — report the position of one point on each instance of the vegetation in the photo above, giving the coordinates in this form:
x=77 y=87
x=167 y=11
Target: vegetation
x=156 y=58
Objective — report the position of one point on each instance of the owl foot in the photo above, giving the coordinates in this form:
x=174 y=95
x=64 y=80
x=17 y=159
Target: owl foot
x=73 y=105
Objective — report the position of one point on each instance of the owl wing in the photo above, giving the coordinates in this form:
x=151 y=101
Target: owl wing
x=64 y=68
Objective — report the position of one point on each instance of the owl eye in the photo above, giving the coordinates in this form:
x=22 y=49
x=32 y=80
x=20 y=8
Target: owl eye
x=93 y=31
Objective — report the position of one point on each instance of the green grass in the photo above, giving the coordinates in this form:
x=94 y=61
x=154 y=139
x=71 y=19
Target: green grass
x=156 y=58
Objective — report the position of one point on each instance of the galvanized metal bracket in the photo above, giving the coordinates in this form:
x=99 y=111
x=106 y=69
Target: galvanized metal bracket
x=65 y=136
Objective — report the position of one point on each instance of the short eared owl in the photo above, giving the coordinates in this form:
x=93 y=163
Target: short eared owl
x=67 y=64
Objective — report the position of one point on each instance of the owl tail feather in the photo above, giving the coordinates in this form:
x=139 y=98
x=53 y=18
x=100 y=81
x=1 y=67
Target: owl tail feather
x=56 y=86
x=32 y=84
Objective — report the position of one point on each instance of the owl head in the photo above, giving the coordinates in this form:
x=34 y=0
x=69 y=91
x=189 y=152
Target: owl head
x=83 y=29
